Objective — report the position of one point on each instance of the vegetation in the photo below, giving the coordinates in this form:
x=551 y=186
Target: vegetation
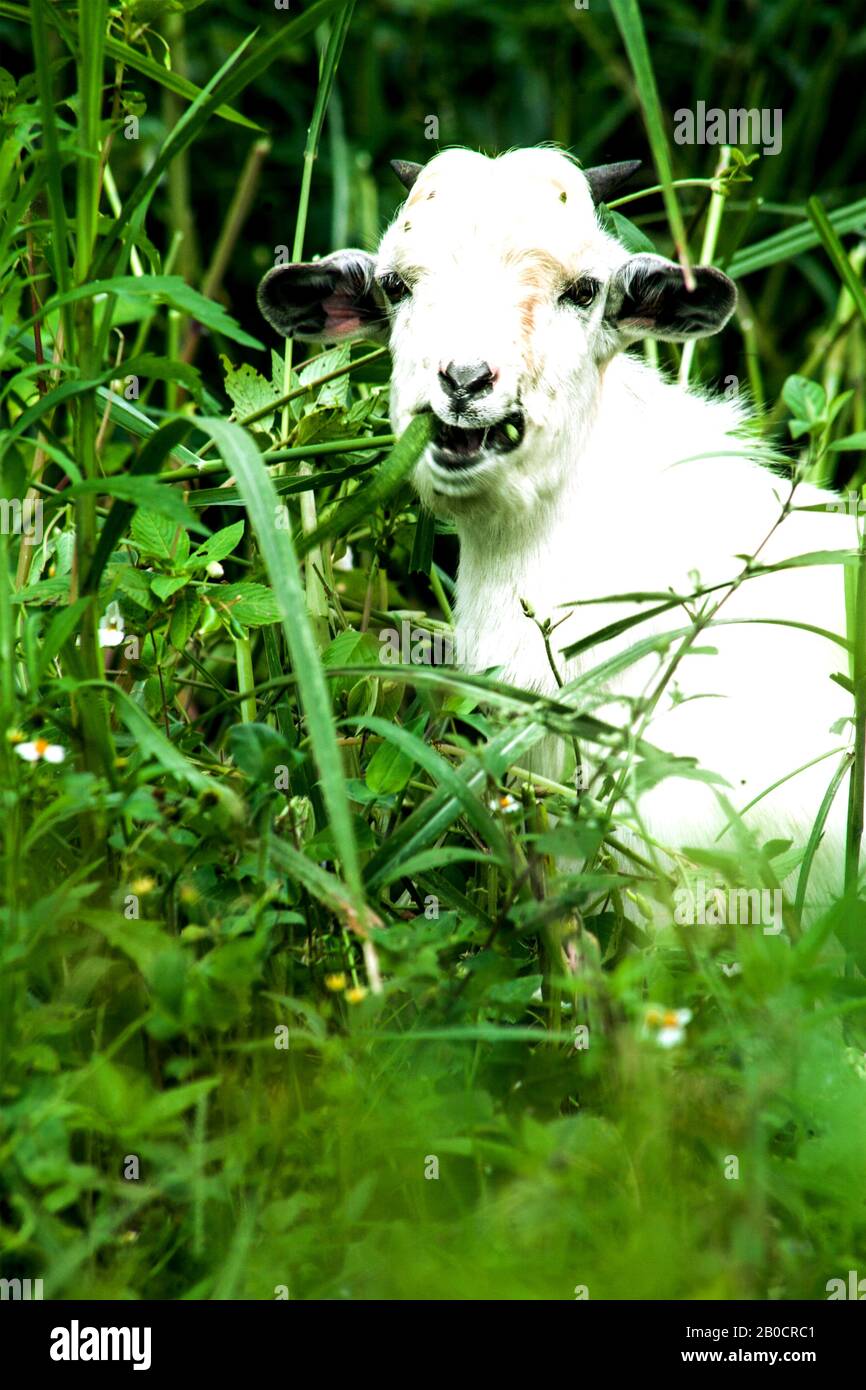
x=296 y=996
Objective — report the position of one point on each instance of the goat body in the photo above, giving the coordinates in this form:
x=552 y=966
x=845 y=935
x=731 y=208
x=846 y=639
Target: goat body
x=657 y=495
x=574 y=472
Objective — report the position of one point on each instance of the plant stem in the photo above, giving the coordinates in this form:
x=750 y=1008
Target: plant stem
x=316 y=563
x=857 y=786
x=708 y=250
x=246 y=678
x=97 y=747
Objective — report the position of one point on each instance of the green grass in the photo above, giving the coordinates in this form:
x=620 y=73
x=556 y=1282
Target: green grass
x=270 y=928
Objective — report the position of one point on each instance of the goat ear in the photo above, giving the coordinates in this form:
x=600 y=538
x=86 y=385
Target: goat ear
x=648 y=298
x=324 y=301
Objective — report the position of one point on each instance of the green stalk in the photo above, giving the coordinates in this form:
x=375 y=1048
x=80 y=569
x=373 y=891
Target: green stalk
x=181 y=216
x=246 y=678
x=441 y=596
x=753 y=357
x=98 y=751
x=832 y=244
x=708 y=250
x=11 y=981
x=237 y=214
x=327 y=72
x=235 y=217
x=315 y=567
x=172 y=388
x=39 y=15
x=857 y=785
x=630 y=24
x=364 y=443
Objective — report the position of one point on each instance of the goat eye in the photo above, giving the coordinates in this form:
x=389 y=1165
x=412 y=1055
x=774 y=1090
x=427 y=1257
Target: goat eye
x=581 y=293
x=394 y=287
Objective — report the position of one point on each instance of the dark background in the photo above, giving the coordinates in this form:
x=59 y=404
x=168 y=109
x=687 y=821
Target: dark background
x=497 y=75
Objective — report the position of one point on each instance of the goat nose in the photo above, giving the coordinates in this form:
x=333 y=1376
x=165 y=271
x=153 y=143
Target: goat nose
x=468 y=379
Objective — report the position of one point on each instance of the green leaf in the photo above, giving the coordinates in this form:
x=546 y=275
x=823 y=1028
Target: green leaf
x=331 y=392
x=144 y=492
x=217 y=546
x=852 y=442
x=140 y=940
x=258 y=750
x=164 y=585
x=123 y=413
x=184 y=619
x=252 y=605
x=832 y=244
x=175 y=293
x=148 y=461
x=135 y=585
x=153 y=743
x=169 y=79
x=632 y=238
x=390 y=474
x=393 y=762
x=59 y=631
x=787 y=245
x=249 y=392
x=434 y=859
x=156 y=534
x=422 y=542
x=806 y=400
x=438 y=812
x=415 y=750
x=241 y=456
x=150 y=367
x=323 y=886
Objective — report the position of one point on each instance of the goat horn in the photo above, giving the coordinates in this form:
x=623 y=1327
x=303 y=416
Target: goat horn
x=605 y=179
x=406 y=171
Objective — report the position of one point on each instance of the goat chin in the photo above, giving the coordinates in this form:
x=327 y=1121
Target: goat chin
x=652 y=490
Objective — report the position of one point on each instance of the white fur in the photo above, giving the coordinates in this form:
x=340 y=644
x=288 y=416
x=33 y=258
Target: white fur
x=605 y=496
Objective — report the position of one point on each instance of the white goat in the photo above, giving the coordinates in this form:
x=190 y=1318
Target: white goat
x=574 y=472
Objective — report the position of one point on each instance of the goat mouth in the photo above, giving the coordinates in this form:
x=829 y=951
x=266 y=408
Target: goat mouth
x=456 y=448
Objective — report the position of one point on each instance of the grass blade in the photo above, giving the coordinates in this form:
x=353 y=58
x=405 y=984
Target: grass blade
x=628 y=17
x=242 y=457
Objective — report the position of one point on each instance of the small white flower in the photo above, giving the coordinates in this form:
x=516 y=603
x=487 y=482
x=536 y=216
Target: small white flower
x=506 y=803
x=215 y=570
x=40 y=750
x=111 y=627
x=666 y=1026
